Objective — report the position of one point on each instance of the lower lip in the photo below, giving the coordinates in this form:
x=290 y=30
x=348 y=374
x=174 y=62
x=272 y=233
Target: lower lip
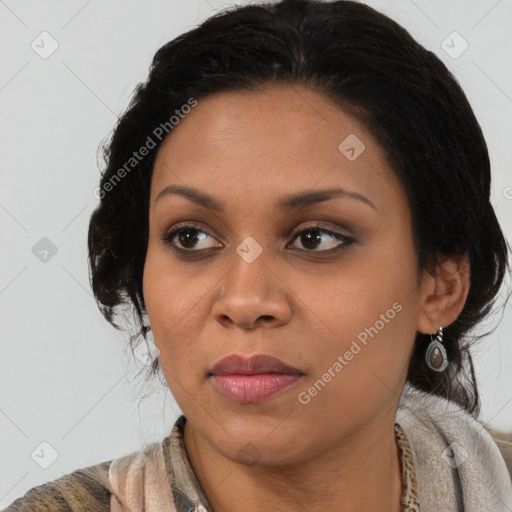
x=254 y=388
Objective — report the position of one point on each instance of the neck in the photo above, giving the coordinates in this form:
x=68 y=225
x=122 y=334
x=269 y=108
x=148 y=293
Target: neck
x=360 y=473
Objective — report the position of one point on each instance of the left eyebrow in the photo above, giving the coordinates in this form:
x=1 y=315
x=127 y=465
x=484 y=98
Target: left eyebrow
x=309 y=197
x=290 y=202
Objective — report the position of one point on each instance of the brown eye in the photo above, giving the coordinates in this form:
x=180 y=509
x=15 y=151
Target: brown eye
x=313 y=237
x=187 y=237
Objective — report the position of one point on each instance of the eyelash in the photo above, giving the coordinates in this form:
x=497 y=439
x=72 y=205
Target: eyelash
x=169 y=237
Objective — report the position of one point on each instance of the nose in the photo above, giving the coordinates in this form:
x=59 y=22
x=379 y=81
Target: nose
x=252 y=295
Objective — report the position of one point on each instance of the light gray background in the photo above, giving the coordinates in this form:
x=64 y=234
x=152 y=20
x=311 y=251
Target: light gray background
x=66 y=377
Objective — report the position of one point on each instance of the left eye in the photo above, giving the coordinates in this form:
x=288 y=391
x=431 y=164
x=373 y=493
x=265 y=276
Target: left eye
x=313 y=235
x=311 y=238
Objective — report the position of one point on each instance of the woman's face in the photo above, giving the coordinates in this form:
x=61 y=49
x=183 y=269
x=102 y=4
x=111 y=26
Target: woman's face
x=339 y=302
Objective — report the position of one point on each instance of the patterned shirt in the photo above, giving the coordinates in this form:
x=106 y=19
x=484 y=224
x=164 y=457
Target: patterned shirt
x=161 y=480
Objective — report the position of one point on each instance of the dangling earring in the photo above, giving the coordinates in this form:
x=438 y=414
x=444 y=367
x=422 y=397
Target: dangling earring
x=436 y=357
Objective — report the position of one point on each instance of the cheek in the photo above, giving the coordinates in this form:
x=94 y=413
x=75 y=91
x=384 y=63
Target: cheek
x=176 y=308
x=169 y=293
x=366 y=334
x=178 y=303
x=357 y=374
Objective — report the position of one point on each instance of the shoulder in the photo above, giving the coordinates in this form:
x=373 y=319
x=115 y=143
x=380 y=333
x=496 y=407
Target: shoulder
x=503 y=441
x=140 y=482
x=84 y=489
x=137 y=481
x=458 y=462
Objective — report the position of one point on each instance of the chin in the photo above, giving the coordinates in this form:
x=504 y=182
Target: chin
x=260 y=440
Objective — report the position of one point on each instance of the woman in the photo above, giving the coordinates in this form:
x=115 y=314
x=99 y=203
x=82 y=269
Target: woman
x=297 y=205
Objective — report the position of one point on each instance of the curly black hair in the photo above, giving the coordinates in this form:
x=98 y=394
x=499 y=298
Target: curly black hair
x=373 y=69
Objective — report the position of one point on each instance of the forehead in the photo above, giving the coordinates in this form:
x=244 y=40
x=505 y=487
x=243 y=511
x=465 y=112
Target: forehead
x=279 y=138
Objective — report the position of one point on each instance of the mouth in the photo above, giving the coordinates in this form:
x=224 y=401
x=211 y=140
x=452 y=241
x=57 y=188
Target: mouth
x=257 y=364
x=254 y=379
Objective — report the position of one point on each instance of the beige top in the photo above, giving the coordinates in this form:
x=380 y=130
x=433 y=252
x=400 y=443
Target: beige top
x=157 y=478
x=449 y=461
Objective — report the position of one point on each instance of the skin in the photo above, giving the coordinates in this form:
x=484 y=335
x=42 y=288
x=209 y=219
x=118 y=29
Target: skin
x=295 y=301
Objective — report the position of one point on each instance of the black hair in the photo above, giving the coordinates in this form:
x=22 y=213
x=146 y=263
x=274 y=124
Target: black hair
x=374 y=70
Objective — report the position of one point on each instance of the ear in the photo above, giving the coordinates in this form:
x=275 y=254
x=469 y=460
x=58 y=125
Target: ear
x=444 y=294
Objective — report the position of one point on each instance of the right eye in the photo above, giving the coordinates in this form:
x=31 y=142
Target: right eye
x=187 y=236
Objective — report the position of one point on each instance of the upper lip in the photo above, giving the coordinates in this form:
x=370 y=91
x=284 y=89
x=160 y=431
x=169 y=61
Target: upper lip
x=257 y=364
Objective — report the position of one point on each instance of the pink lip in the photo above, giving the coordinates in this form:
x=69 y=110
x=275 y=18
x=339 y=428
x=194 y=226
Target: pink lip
x=253 y=379
x=254 y=388
x=259 y=363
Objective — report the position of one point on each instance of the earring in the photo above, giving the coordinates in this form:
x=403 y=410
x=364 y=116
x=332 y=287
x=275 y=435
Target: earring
x=435 y=356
